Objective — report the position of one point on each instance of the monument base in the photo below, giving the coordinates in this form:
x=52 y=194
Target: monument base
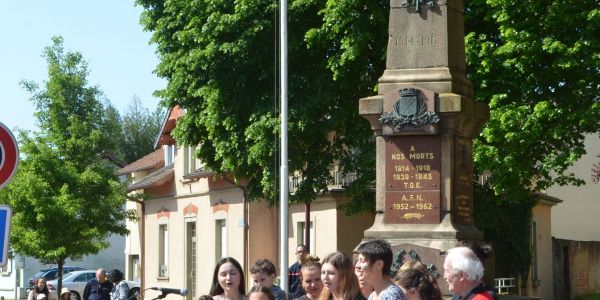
x=442 y=236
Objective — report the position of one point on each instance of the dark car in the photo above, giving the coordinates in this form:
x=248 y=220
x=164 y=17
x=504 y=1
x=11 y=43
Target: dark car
x=50 y=274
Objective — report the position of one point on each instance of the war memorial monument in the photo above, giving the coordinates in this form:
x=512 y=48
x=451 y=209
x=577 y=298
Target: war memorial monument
x=424 y=119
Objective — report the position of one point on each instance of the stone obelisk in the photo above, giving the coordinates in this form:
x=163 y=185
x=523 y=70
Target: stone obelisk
x=424 y=120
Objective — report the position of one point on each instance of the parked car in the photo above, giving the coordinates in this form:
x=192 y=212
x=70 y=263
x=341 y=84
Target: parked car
x=76 y=281
x=50 y=274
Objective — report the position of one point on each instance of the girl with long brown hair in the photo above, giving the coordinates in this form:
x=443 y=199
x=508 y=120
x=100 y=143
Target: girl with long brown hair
x=337 y=274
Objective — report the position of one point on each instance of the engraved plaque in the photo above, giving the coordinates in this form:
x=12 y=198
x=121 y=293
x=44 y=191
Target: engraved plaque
x=412 y=179
x=422 y=207
x=412 y=163
x=463 y=181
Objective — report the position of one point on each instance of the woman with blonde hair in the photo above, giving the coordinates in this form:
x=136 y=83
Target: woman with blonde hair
x=417 y=282
x=337 y=274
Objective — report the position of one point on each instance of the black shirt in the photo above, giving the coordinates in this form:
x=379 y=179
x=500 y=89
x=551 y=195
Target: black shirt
x=94 y=290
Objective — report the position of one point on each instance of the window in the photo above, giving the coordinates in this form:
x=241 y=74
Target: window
x=301 y=237
x=191 y=258
x=170 y=152
x=163 y=251
x=189 y=160
x=220 y=239
x=81 y=278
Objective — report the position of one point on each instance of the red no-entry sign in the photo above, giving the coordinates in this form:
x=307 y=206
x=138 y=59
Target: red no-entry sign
x=9 y=155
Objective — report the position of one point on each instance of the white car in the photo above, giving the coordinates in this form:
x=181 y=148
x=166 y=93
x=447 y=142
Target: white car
x=76 y=281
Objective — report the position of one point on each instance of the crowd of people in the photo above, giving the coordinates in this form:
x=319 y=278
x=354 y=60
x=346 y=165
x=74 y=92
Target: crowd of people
x=369 y=276
x=335 y=277
x=102 y=287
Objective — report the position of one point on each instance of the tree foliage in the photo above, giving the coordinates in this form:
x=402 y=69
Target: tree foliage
x=66 y=199
x=140 y=128
x=536 y=64
x=219 y=59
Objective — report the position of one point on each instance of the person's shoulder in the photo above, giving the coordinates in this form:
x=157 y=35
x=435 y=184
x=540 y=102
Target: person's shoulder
x=393 y=292
x=483 y=292
x=485 y=295
x=277 y=292
x=303 y=297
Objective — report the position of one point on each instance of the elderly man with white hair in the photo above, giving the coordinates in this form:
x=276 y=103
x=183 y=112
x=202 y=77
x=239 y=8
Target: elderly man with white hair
x=463 y=272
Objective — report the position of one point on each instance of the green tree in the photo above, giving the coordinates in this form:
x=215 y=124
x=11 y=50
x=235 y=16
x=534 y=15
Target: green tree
x=219 y=59
x=112 y=128
x=536 y=65
x=66 y=199
x=132 y=135
x=139 y=130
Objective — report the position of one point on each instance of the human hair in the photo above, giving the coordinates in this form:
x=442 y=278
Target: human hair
x=303 y=247
x=205 y=297
x=37 y=290
x=65 y=294
x=348 y=285
x=263 y=265
x=377 y=250
x=262 y=289
x=216 y=288
x=414 y=275
x=463 y=259
x=311 y=263
x=115 y=276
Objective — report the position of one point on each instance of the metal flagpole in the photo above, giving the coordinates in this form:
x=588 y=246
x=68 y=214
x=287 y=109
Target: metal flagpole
x=283 y=178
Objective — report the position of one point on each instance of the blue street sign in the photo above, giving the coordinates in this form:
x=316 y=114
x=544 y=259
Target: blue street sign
x=5 y=215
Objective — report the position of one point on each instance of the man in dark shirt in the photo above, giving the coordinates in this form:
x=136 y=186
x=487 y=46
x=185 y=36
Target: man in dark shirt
x=295 y=284
x=98 y=288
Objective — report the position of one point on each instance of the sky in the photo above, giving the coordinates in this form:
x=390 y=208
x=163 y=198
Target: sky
x=108 y=35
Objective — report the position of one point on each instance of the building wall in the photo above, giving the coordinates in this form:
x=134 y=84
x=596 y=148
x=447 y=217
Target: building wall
x=263 y=234
x=334 y=231
x=351 y=230
x=576 y=268
x=576 y=218
x=132 y=243
x=541 y=280
x=175 y=212
x=8 y=279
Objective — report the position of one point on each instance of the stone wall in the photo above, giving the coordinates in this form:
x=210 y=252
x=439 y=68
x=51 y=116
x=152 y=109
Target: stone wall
x=576 y=267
